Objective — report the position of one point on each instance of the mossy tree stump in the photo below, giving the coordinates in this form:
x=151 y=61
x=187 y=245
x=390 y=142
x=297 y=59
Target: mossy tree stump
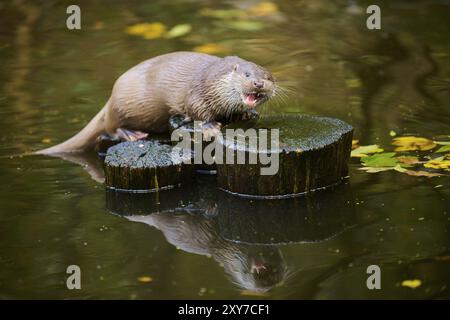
x=145 y=166
x=313 y=154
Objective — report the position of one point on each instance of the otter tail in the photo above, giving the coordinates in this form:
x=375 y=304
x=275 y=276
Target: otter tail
x=83 y=140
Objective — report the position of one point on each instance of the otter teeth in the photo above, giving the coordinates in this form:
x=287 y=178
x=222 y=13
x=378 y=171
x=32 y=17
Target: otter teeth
x=252 y=98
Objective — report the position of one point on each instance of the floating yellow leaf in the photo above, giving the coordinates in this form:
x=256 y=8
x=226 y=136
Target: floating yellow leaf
x=399 y=168
x=210 y=48
x=438 y=163
x=46 y=140
x=412 y=143
x=392 y=133
x=145 y=279
x=147 y=30
x=263 y=9
x=413 y=284
x=178 y=31
x=363 y=151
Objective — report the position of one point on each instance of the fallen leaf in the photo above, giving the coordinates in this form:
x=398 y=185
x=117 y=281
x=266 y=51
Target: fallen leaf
x=375 y=170
x=210 y=48
x=408 y=159
x=399 y=168
x=147 y=30
x=411 y=143
x=355 y=144
x=438 y=163
x=363 y=151
x=413 y=284
x=442 y=258
x=178 y=31
x=263 y=9
x=145 y=279
x=378 y=160
x=392 y=133
x=422 y=173
x=445 y=148
x=443 y=143
x=46 y=140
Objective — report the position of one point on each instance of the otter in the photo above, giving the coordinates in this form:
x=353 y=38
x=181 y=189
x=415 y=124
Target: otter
x=197 y=86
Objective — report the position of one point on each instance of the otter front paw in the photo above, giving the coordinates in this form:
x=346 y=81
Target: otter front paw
x=250 y=115
x=211 y=129
x=247 y=115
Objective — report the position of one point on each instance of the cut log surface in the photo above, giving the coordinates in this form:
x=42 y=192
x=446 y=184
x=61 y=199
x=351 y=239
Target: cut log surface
x=313 y=154
x=145 y=166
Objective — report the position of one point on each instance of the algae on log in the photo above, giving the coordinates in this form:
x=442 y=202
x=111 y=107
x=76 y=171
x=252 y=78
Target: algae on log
x=313 y=154
x=104 y=141
x=144 y=166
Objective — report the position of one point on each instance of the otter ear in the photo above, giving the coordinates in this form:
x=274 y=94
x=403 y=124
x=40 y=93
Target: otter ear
x=236 y=67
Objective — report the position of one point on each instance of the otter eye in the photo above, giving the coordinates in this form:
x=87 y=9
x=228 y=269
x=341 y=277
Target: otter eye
x=247 y=74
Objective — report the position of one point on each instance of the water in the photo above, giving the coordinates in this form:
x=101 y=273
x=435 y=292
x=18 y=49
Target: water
x=202 y=243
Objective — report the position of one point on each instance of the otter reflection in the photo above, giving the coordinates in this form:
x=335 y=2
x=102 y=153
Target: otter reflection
x=244 y=236
x=255 y=268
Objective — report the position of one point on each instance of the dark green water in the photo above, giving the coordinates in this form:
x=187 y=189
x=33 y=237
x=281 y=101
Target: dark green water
x=53 y=214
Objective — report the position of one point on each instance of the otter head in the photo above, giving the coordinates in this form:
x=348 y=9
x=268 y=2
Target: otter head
x=236 y=85
x=252 y=83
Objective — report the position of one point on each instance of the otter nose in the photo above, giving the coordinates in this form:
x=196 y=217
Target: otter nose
x=258 y=84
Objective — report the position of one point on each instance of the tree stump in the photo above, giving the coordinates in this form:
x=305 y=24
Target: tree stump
x=145 y=166
x=313 y=154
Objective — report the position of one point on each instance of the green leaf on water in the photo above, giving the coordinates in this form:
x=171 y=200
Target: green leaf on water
x=363 y=151
x=178 y=31
x=444 y=148
x=443 y=143
x=386 y=159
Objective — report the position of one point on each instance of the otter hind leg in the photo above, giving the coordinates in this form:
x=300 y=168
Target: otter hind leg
x=129 y=135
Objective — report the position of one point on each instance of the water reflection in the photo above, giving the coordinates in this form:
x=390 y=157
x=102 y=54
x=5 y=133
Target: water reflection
x=244 y=236
x=55 y=80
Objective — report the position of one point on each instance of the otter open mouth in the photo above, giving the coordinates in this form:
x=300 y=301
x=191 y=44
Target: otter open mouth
x=253 y=98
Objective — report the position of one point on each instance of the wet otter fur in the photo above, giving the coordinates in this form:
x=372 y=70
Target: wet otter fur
x=199 y=86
